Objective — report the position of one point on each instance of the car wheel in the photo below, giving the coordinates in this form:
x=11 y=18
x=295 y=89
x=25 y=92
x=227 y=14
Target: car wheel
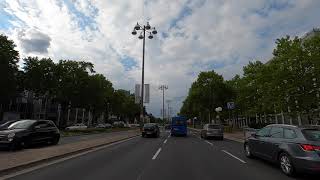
x=55 y=141
x=247 y=150
x=143 y=135
x=286 y=164
x=221 y=138
x=18 y=145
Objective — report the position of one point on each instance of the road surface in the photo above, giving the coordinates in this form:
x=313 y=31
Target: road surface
x=164 y=158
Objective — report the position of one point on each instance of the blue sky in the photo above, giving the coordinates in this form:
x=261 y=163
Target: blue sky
x=194 y=36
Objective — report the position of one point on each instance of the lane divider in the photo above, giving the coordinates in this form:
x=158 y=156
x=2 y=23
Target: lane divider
x=209 y=142
x=234 y=156
x=156 y=154
x=165 y=141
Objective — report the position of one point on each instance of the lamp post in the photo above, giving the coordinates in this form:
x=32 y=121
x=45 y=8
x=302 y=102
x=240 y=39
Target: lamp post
x=152 y=31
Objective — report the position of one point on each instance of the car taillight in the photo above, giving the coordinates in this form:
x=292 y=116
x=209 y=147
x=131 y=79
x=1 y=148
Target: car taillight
x=308 y=147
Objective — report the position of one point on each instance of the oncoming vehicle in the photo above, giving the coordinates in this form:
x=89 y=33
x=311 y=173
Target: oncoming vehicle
x=212 y=131
x=27 y=132
x=150 y=129
x=179 y=126
x=294 y=148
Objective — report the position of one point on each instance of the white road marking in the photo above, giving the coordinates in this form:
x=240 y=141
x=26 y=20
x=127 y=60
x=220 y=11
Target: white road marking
x=27 y=170
x=209 y=143
x=165 y=141
x=233 y=156
x=156 y=154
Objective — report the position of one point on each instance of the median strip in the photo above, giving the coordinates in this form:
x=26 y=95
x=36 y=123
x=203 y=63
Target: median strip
x=233 y=156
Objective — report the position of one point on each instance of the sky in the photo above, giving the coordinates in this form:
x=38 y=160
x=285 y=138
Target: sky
x=193 y=36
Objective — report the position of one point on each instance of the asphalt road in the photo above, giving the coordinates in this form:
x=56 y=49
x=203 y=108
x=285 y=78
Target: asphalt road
x=164 y=158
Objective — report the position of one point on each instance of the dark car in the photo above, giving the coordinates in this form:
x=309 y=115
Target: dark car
x=28 y=132
x=150 y=129
x=6 y=125
x=212 y=131
x=295 y=149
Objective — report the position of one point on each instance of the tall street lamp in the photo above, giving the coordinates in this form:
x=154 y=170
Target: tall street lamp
x=152 y=31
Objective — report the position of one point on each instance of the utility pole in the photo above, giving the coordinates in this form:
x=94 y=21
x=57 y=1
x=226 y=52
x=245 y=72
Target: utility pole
x=163 y=88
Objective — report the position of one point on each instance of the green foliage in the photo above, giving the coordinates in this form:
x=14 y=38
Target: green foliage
x=9 y=58
x=206 y=93
x=290 y=79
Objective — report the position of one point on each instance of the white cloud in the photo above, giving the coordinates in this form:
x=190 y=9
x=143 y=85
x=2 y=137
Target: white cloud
x=227 y=33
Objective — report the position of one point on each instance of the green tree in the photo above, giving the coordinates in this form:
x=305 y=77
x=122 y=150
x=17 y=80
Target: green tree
x=9 y=58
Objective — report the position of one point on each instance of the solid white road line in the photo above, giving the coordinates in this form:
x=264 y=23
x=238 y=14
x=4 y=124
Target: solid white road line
x=11 y=175
x=156 y=154
x=165 y=141
x=209 y=143
x=233 y=156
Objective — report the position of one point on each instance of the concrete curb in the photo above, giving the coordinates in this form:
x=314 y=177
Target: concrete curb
x=7 y=171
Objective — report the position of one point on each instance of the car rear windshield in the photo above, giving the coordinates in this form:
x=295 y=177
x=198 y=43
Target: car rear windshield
x=213 y=126
x=24 y=124
x=149 y=125
x=179 y=122
x=312 y=134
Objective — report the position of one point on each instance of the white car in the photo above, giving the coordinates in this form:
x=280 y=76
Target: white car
x=104 y=126
x=77 y=127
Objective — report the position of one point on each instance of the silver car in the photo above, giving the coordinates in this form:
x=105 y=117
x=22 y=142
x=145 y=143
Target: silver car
x=294 y=148
x=212 y=131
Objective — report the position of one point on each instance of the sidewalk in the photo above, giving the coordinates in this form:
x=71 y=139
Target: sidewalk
x=13 y=160
x=237 y=136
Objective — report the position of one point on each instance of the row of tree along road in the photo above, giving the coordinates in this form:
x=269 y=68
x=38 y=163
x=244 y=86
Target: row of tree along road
x=44 y=89
x=285 y=89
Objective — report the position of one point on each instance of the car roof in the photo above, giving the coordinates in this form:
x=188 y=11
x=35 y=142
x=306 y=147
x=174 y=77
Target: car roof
x=295 y=126
x=282 y=125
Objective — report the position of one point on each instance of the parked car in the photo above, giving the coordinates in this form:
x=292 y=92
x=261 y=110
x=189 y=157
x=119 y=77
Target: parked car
x=77 y=127
x=28 y=132
x=7 y=124
x=212 y=131
x=294 y=148
x=120 y=124
x=104 y=126
x=150 y=129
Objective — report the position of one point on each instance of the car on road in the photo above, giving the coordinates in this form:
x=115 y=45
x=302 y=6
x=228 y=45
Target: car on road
x=78 y=126
x=150 y=129
x=294 y=148
x=28 y=132
x=167 y=127
x=212 y=131
x=179 y=126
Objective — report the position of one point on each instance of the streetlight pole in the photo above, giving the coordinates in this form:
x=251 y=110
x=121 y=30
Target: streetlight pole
x=144 y=29
x=163 y=88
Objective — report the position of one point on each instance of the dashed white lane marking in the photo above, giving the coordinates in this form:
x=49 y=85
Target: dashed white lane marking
x=156 y=154
x=233 y=156
x=209 y=143
x=165 y=141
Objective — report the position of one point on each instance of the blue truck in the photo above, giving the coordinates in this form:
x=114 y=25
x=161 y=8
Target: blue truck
x=179 y=126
